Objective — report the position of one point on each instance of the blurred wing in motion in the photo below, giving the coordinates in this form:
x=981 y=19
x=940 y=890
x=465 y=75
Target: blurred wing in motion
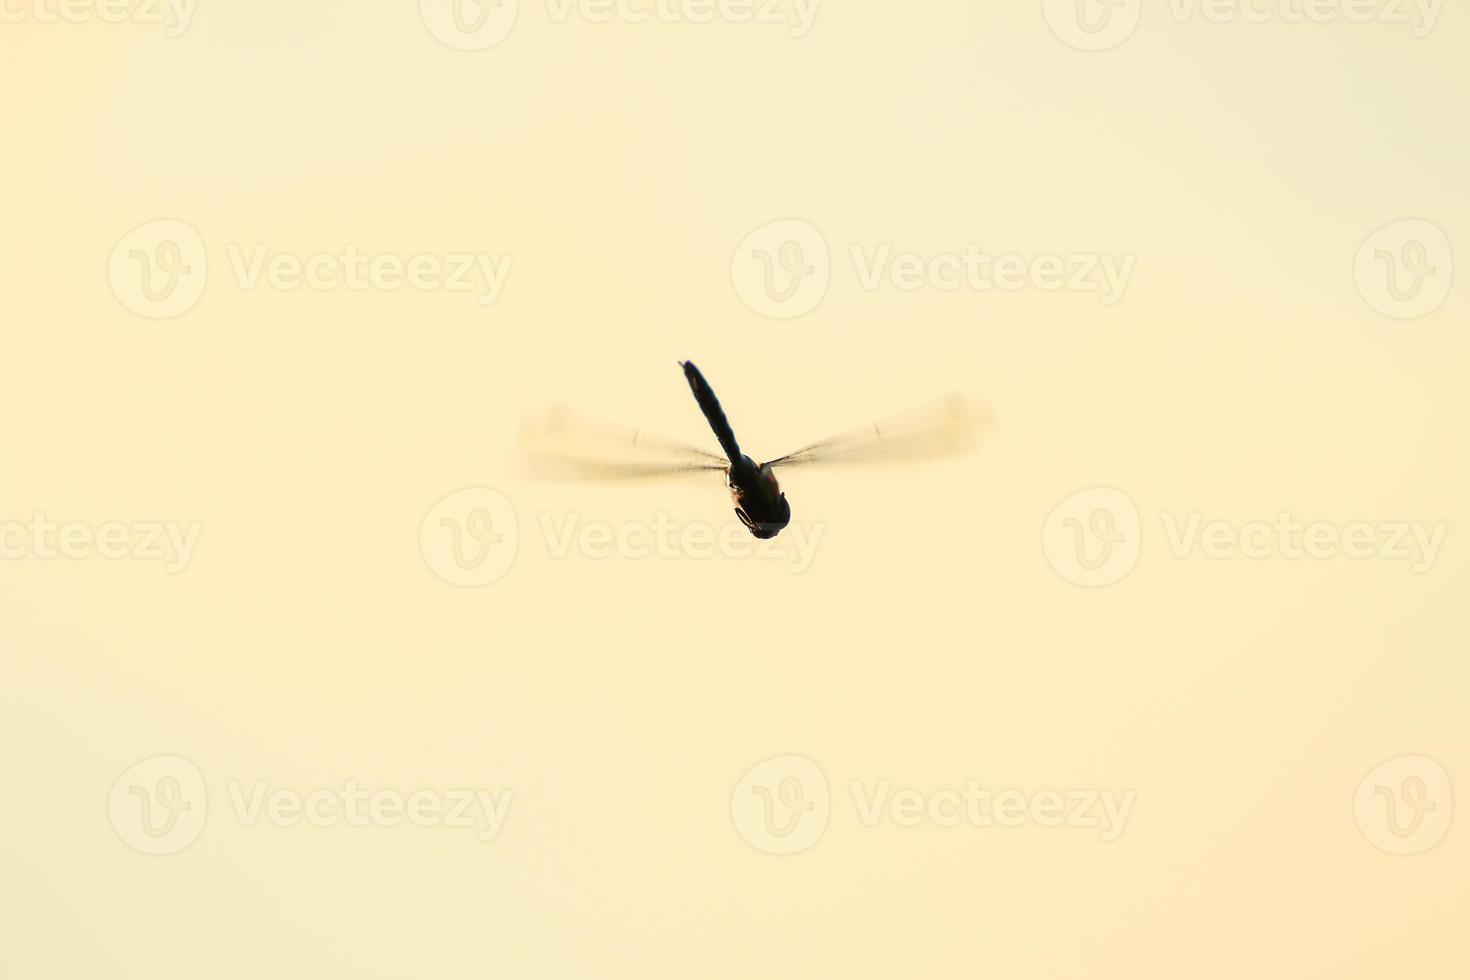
x=565 y=443
x=950 y=427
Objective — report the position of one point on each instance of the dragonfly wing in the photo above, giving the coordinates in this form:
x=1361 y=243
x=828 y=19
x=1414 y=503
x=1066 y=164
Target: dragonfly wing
x=950 y=427
x=564 y=442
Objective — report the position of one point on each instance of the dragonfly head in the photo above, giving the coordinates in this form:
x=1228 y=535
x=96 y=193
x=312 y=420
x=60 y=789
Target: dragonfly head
x=759 y=502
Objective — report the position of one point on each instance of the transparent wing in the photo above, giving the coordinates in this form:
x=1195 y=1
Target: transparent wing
x=950 y=427
x=566 y=443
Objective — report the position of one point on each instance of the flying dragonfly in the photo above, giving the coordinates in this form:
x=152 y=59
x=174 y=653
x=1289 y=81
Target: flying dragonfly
x=565 y=442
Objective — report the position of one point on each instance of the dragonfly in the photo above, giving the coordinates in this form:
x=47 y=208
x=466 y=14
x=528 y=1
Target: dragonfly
x=566 y=442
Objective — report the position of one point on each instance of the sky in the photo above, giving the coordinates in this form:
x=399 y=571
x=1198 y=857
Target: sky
x=304 y=671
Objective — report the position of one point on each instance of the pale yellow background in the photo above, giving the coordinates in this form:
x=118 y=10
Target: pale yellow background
x=621 y=700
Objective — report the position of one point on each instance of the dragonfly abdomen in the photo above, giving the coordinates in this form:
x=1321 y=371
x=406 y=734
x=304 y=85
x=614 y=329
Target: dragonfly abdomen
x=713 y=413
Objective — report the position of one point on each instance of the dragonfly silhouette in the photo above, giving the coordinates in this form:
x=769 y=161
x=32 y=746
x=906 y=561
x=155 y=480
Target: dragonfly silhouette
x=565 y=442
